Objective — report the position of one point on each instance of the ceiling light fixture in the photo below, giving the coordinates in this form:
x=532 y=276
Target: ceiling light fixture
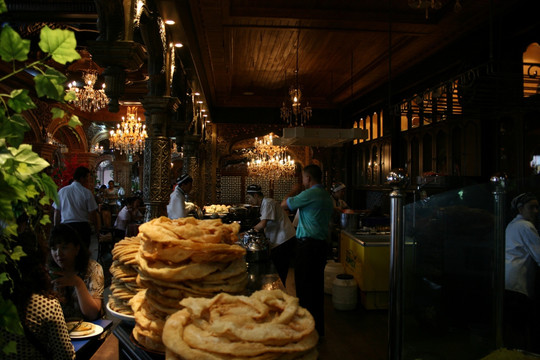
x=97 y=149
x=269 y=160
x=427 y=4
x=293 y=114
x=87 y=98
x=130 y=135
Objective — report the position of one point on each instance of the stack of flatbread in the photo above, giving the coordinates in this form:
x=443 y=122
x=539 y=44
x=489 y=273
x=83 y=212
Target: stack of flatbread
x=183 y=258
x=267 y=325
x=124 y=275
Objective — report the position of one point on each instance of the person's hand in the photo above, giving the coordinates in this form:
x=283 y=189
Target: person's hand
x=64 y=278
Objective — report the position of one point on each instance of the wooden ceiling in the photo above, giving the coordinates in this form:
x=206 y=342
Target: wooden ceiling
x=244 y=52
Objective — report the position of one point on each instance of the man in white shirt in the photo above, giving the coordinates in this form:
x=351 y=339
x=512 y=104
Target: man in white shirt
x=277 y=228
x=177 y=202
x=522 y=261
x=76 y=205
x=128 y=215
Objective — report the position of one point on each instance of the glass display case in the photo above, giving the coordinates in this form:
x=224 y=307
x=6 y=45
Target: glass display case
x=453 y=274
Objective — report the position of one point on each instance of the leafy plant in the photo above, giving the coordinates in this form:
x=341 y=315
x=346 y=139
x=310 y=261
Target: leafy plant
x=24 y=187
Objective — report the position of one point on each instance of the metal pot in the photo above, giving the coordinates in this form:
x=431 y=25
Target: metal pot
x=349 y=221
x=256 y=245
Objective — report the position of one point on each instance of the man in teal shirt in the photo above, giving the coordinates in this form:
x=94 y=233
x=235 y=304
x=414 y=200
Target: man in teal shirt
x=315 y=209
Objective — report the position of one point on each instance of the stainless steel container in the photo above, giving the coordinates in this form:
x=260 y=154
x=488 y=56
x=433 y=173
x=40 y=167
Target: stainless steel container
x=349 y=221
x=256 y=245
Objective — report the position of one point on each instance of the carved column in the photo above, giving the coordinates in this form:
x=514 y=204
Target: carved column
x=157 y=155
x=122 y=175
x=191 y=166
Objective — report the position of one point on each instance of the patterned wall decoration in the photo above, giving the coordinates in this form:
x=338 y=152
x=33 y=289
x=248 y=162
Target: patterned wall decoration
x=283 y=186
x=231 y=190
x=157 y=164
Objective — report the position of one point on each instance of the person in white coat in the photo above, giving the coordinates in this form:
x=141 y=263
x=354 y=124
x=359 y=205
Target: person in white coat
x=177 y=203
x=277 y=228
x=522 y=261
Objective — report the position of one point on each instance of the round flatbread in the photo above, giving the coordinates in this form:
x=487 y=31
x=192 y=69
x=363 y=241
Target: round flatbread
x=84 y=328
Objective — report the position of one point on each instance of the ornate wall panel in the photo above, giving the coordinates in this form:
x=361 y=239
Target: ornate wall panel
x=231 y=190
x=157 y=163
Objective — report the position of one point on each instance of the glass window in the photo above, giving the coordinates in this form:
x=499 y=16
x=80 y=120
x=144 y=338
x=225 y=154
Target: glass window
x=531 y=69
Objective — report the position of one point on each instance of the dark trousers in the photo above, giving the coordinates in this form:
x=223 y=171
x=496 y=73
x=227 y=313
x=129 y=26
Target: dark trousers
x=84 y=230
x=518 y=320
x=310 y=261
x=280 y=256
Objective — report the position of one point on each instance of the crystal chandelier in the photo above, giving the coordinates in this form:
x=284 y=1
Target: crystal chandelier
x=130 y=135
x=294 y=114
x=269 y=160
x=96 y=149
x=87 y=98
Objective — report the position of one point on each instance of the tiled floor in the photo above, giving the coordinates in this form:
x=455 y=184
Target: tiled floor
x=351 y=335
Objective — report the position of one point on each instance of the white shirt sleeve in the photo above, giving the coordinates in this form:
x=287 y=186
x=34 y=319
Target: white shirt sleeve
x=177 y=206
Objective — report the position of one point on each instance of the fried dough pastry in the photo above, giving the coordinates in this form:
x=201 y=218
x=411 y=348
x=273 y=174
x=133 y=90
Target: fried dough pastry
x=267 y=325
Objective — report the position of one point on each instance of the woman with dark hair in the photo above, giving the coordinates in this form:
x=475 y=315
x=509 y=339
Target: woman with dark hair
x=45 y=331
x=77 y=278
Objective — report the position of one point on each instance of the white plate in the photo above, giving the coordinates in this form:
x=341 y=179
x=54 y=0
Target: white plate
x=130 y=319
x=97 y=330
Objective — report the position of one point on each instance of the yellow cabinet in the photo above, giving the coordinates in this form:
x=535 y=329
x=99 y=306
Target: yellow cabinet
x=367 y=258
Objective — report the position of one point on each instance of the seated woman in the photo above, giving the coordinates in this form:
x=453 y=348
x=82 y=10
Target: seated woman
x=78 y=279
x=45 y=331
x=128 y=215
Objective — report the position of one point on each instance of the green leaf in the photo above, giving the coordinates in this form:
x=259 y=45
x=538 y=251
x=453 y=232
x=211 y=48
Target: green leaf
x=49 y=187
x=31 y=191
x=70 y=96
x=60 y=44
x=3 y=7
x=12 y=46
x=9 y=317
x=30 y=162
x=50 y=85
x=17 y=253
x=74 y=121
x=20 y=101
x=13 y=129
x=10 y=348
x=45 y=220
x=3 y=278
x=57 y=113
x=11 y=229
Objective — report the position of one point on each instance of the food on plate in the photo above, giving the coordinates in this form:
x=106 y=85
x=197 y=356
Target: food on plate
x=269 y=324
x=217 y=209
x=182 y=258
x=82 y=329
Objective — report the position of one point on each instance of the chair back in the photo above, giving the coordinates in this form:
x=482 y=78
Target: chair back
x=106 y=218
